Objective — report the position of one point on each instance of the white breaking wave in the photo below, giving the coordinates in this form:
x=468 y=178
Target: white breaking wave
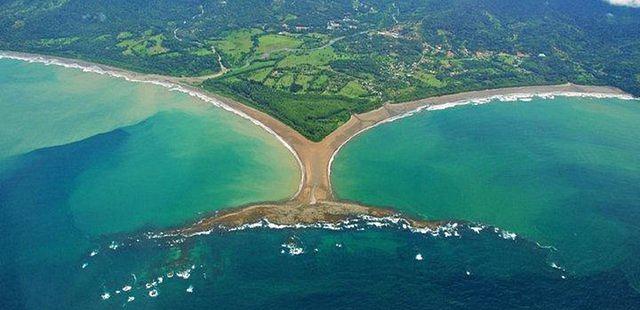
x=293 y=248
x=166 y=84
x=630 y=3
x=360 y=222
x=479 y=101
x=449 y=229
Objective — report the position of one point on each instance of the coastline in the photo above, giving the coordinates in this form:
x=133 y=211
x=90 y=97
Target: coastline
x=532 y=92
x=170 y=83
x=329 y=215
x=315 y=159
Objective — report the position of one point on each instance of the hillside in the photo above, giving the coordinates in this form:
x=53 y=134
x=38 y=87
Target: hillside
x=312 y=63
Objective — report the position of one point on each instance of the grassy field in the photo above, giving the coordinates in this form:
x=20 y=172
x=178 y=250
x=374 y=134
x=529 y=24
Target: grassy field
x=146 y=45
x=312 y=63
x=318 y=57
x=276 y=42
x=313 y=115
x=236 y=45
x=353 y=89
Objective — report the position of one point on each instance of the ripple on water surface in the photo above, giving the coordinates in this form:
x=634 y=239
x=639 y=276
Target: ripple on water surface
x=82 y=155
x=97 y=164
x=563 y=172
x=122 y=155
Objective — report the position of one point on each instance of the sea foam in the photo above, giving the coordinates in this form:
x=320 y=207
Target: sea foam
x=482 y=100
x=93 y=68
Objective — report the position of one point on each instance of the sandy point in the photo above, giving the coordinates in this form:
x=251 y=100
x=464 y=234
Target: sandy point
x=315 y=158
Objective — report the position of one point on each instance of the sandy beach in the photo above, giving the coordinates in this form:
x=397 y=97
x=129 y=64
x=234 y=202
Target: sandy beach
x=315 y=158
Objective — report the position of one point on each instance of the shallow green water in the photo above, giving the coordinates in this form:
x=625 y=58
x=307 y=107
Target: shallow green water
x=130 y=155
x=84 y=171
x=562 y=172
x=49 y=105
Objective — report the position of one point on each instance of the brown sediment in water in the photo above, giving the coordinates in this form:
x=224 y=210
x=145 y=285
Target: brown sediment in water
x=314 y=202
x=315 y=157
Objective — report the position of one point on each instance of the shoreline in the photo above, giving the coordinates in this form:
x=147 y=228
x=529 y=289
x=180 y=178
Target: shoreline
x=325 y=215
x=315 y=159
x=159 y=80
x=508 y=97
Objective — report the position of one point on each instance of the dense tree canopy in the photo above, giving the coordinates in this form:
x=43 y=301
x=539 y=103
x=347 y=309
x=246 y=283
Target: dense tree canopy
x=313 y=62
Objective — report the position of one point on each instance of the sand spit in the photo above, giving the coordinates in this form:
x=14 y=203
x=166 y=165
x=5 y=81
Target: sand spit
x=314 y=202
x=291 y=139
x=359 y=123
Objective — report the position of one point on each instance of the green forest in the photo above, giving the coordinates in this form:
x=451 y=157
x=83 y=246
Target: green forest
x=312 y=63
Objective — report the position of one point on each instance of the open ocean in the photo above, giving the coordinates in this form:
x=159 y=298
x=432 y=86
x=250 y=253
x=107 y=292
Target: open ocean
x=88 y=163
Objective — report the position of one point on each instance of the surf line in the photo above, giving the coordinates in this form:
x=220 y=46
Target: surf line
x=478 y=101
x=171 y=86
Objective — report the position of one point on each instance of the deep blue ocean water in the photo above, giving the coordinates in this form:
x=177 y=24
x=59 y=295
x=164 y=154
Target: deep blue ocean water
x=70 y=240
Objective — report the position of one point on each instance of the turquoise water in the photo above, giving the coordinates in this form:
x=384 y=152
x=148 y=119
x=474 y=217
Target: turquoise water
x=88 y=163
x=130 y=155
x=370 y=269
x=562 y=172
x=84 y=155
